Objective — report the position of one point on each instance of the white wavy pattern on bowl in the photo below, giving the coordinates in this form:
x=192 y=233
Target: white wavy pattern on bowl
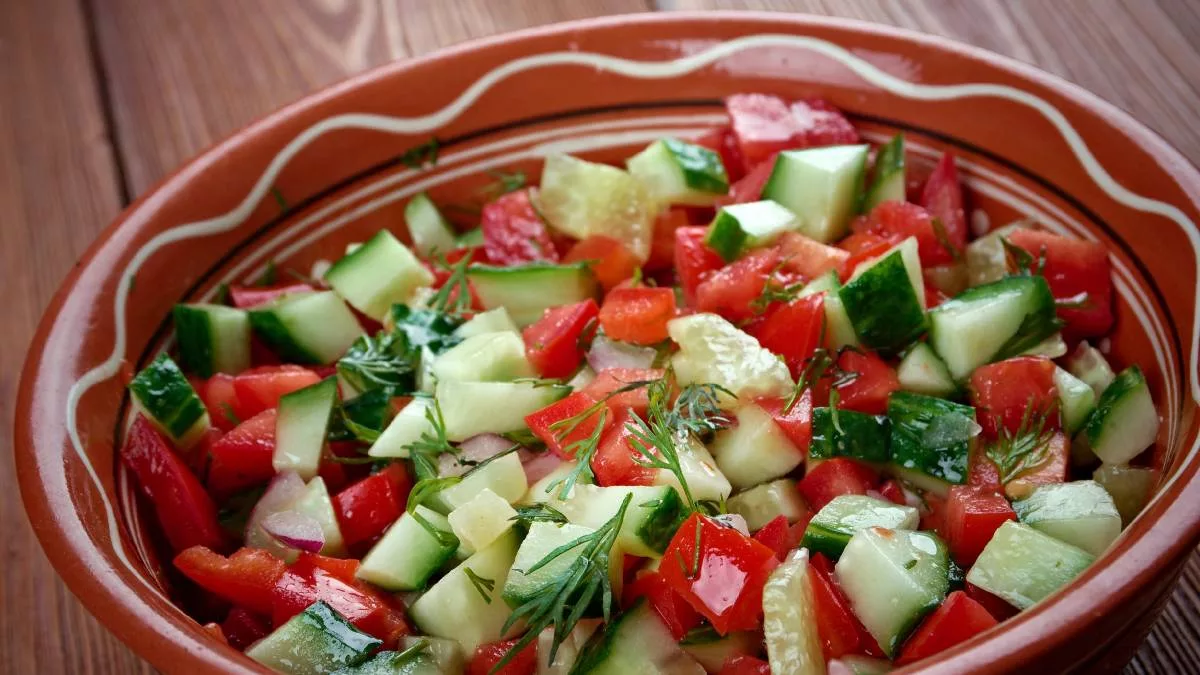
x=628 y=68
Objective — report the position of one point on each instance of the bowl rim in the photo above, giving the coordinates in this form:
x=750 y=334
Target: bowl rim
x=1165 y=538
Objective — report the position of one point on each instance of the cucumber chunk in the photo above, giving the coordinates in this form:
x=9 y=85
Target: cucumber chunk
x=503 y=475
x=711 y=650
x=428 y=229
x=527 y=291
x=1076 y=398
x=987 y=258
x=582 y=198
x=790 y=619
x=492 y=321
x=821 y=186
x=755 y=450
x=675 y=172
x=839 y=329
x=380 y=273
x=831 y=529
x=922 y=372
x=931 y=439
x=544 y=538
x=490 y=357
x=635 y=642
x=447 y=654
x=307 y=327
x=412 y=550
x=893 y=578
x=568 y=649
x=704 y=479
x=163 y=394
x=1129 y=486
x=712 y=350
x=888 y=182
x=314 y=642
x=826 y=282
x=470 y=238
x=473 y=408
x=763 y=503
x=740 y=227
x=1089 y=365
x=481 y=520
x=212 y=338
x=1080 y=513
x=885 y=299
x=406 y=428
x=301 y=427
x=653 y=515
x=1125 y=421
x=395 y=663
x=846 y=433
x=1022 y=565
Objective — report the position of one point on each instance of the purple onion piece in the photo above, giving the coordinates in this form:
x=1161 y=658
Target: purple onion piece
x=295 y=529
x=606 y=353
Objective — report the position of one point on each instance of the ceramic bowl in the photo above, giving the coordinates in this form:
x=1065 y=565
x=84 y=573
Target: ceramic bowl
x=335 y=167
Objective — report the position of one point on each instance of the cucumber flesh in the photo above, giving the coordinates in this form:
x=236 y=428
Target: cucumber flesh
x=470 y=239
x=307 y=327
x=490 y=357
x=1125 y=421
x=636 y=642
x=712 y=350
x=840 y=331
x=825 y=282
x=888 y=183
x=704 y=479
x=790 y=619
x=581 y=198
x=492 y=321
x=1089 y=365
x=885 y=299
x=527 y=291
x=473 y=408
x=314 y=642
x=380 y=273
x=163 y=394
x=740 y=227
x=409 y=554
x=763 y=503
x=821 y=186
x=1022 y=565
x=653 y=515
x=568 y=650
x=212 y=338
x=447 y=654
x=675 y=172
x=429 y=230
x=395 y=663
x=543 y=538
x=755 y=450
x=502 y=475
x=832 y=527
x=301 y=427
x=1076 y=398
x=922 y=372
x=987 y=259
x=482 y=520
x=406 y=428
x=1129 y=486
x=1080 y=513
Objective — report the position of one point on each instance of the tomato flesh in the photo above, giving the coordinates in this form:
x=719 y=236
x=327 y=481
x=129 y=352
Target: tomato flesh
x=971 y=516
x=694 y=262
x=244 y=297
x=610 y=261
x=562 y=439
x=243 y=457
x=766 y=124
x=638 y=315
x=1016 y=389
x=942 y=197
x=792 y=330
x=246 y=578
x=731 y=290
x=635 y=398
x=956 y=620
x=616 y=459
x=873 y=382
x=676 y=614
x=554 y=343
x=1080 y=277
x=488 y=655
x=836 y=477
x=808 y=257
x=366 y=508
x=897 y=221
x=840 y=630
x=795 y=422
x=514 y=232
x=260 y=388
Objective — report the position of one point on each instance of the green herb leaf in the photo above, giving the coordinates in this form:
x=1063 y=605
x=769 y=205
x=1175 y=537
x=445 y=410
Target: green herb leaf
x=383 y=361
x=543 y=513
x=454 y=297
x=425 y=451
x=1028 y=447
x=504 y=183
x=484 y=585
x=422 y=155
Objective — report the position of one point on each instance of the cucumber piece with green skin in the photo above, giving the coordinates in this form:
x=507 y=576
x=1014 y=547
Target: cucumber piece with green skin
x=711 y=649
x=1080 y=513
x=307 y=327
x=492 y=321
x=447 y=654
x=163 y=394
x=825 y=283
x=544 y=538
x=893 y=578
x=931 y=439
x=527 y=291
x=1076 y=399
x=1022 y=565
x=790 y=619
x=409 y=554
x=378 y=274
x=636 y=642
x=490 y=357
x=839 y=330
x=301 y=427
x=712 y=350
x=885 y=299
x=406 y=428
x=395 y=663
x=821 y=186
x=853 y=664
x=481 y=520
x=455 y=607
x=582 y=198
x=740 y=227
x=212 y=338
x=675 y=172
x=314 y=642
x=428 y=229
x=568 y=649
x=763 y=503
x=1125 y=421
x=755 y=450
x=846 y=433
x=888 y=183
x=470 y=238
x=653 y=515
x=699 y=470
x=832 y=527
x=1129 y=487
x=473 y=408
x=503 y=475
x=922 y=372
x=1089 y=365
x=992 y=322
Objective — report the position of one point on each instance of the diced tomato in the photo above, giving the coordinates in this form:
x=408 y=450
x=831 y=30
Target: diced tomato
x=896 y=221
x=723 y=141
x=933 y=295
x=730 y=290
x=662 y=244
x=1080 y=277
x=610 y=261
x=972 y=515
x=260 y=388
x=243 y=628
x=243 y=297
x=185 y=511
x=862 y=246
x=943 y=198
x=514 y=232
x=246 y=578
x=1016 y=389
x=220 y=399
x=869 y=389
x=616 y=459
x=996 y=606
x=368 y=610
x=341 y=568
x=561 y=439
x=608 y=381
x=779 y=536
x=742 y=664
x=750 y=187
x=981 y=471
x=765 y=124
x=792 y=330
x=243 y=457
x=1053 y=469
x=368 y=507
x=694 y=262
x=836 y=477
x=795 y=422
x=840 y=631
x=892 y=492
x=487 y=656
x=638 y=315
x=675 y=612
x=958 y=619
x=808 y=257
x=554 y=343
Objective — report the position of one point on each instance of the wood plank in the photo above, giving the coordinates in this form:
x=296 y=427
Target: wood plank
x=59 y=186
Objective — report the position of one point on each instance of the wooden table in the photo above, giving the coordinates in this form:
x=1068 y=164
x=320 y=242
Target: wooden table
x=100 y=98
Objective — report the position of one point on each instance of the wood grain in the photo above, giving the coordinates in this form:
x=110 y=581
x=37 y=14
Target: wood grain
x=175 y=76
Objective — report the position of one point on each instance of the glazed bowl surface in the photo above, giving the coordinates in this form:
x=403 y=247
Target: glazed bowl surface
x=337 y=166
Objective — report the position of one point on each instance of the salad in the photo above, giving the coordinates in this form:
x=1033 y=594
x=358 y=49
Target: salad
x=756 y=402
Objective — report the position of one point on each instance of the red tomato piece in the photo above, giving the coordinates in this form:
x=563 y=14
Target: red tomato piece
x=779 y=536
x=896 y=221
x=694 y=262
x=808 y=257
x=662 y=244
x=243 y=628
x=368 y=507
x=185 y=511
x=608 y=381
x=553 y=343
x=750 y=187
x=253 y=296
x=1080 y=277
x=487 y=656
x=560 y=439
x=676 y=614
x=741 y=664
x=892 y=492
x=220 y=399
x=1004 y=392
x=260 y=388
x=943 y=198
x=792 y=330
x=246 y=578
x=368 y=610
x=796 y=422
x=996 y=606
x=730 y=290
x=834 y=477
x=610 y=261
x=840 y=630
x=971 y=516
x=723 y=141
x=862 y=246
x=514 y=232
x=958 y=619
x=616 y=458
x=873 y=383
x=341 y=568
x=638 y=315
x=981 y=471
x=720 y=572
x=765 y=124
x=242 y=458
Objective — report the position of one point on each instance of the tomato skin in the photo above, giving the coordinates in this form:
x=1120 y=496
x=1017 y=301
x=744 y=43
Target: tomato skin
x=981 y=471
x=694 y=262
x=896 y=221
x=836 y=477
x=840 y=630
x=730 y=290
x=792 y=330
x=366 y=508
x=488 y=655
x=557 y=440
x=260 y=388
x=765 y=124
x=808 y=257
x=552 y=344
x=779 y=536
x=750 y=187
x=868 y=392
x=796 y=422
x=1002 y=392
x=862 y=246
x=615 y=461
x=1074 y=267
x=1053 y=470
x=727 y=584
x=243 y=457
x=996 y=606
x=368 y=610
x=242 y=628
x=971 y=517
x=723 y=141
x=943 y=198
x=610 y=380
x=892 y=492
x=662 y=243
x=220 y=399
x=246 y=578
x=185 y=511
x=514 y=232
x=676 y=614
x=243 y=297
x=958 y=619
x=638 y=315
x=741 y=664
x=610 y=261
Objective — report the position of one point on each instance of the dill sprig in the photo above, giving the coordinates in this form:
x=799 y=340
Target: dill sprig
x=822 y=364
x=1022 y=261
x=432 y=444
x=454 y=297
x=484 y=585
x=943 y=238
x=539 y=513
x=1015 y=452
x=503 y=183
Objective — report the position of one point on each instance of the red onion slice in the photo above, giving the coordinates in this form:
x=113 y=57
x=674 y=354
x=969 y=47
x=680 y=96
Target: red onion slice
x=471 y=452
x=539 y=465
x=606 y=353
x=281 y=493
x=296 y=530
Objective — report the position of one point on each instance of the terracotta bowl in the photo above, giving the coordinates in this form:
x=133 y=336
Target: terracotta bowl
x=334 y=167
